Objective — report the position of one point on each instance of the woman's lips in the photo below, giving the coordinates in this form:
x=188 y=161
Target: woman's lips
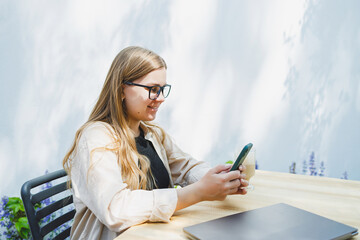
x=154 y=108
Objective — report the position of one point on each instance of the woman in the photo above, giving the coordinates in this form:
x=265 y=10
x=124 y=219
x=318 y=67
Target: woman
x=123 y=168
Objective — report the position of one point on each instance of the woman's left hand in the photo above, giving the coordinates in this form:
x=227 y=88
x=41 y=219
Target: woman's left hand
x=244 y=183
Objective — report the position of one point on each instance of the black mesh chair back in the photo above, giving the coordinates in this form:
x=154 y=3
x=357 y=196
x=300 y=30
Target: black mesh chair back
x=50 y=209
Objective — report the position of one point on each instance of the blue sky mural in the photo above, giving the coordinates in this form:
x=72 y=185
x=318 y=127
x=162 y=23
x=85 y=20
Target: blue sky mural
x=282 y=75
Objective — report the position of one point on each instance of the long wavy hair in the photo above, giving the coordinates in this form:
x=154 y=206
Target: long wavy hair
x=130 y=64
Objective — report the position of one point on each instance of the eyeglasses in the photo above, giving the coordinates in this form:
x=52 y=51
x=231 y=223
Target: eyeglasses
x=154 y=91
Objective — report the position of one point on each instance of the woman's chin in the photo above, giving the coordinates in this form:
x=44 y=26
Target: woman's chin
x=150 y=117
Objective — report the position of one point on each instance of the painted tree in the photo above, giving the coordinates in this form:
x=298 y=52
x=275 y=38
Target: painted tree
x=304 y=169
x=292 y=168
x=322 y=169
x=312 y=167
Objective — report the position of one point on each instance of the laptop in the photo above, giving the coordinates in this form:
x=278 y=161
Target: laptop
x=279 y=221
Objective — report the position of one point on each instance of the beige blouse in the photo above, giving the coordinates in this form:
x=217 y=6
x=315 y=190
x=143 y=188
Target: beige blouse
x=104 y=205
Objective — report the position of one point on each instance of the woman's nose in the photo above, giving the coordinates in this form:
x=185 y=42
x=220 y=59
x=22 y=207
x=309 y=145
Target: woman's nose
x=160 y=98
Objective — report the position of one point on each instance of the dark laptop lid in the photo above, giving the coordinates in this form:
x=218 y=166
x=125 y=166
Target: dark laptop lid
x=279 y=221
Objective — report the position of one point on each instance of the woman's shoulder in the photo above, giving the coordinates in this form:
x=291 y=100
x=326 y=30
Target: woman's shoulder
x=98 y=131
x=97 y=125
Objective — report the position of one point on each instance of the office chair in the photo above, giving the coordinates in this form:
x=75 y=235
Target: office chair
x=44 y=220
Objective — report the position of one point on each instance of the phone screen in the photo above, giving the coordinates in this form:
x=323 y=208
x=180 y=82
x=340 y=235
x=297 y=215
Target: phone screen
x=240 y=159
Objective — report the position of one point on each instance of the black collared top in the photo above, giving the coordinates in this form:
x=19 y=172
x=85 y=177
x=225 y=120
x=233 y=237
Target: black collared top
x=145 y=147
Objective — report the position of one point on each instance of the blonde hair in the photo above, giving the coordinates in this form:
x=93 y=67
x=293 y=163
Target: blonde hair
x=130 y=64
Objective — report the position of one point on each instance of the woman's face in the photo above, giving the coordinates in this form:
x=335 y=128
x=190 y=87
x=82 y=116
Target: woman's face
x=138 y=105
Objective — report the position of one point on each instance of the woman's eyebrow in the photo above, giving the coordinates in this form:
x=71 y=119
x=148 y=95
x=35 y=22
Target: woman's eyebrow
x=155 y=84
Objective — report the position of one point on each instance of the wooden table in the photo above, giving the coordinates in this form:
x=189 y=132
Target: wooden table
x=336 y=199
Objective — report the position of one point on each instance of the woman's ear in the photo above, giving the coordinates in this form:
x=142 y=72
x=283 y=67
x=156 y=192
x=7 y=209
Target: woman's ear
x=122 y=92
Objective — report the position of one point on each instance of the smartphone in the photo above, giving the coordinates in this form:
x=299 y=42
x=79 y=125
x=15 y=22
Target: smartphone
x=240 y=159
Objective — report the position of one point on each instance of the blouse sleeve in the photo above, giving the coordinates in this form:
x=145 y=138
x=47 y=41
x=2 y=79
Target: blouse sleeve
x=184 y=168
x=97 y=182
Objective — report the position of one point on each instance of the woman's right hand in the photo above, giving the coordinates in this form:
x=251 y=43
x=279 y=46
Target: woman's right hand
x=218 y=182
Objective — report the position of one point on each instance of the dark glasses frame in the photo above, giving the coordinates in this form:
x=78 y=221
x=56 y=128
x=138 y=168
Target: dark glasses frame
x=153 y=89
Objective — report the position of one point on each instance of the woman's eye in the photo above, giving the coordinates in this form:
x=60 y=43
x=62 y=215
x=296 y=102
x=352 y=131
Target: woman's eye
x=155 y=89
